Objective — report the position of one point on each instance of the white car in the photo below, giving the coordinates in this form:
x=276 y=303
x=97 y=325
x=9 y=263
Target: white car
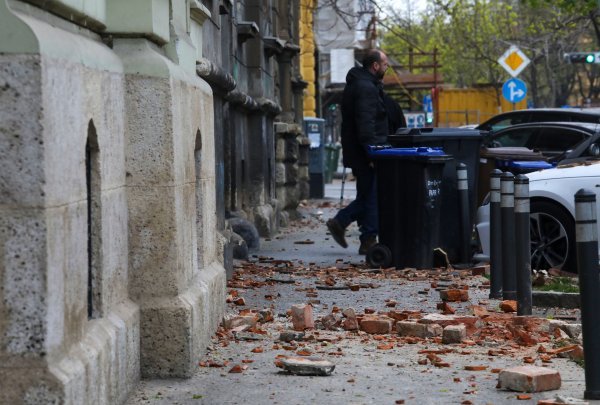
x=552 y=223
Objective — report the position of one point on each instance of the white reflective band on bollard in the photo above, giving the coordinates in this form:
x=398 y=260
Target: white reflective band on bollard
x=507 y=200
x=585 y=225
x=507 y=193
x=522 y=198
x=461 y=175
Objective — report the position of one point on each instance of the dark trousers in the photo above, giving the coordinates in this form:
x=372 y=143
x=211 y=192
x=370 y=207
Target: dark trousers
x=363 y=209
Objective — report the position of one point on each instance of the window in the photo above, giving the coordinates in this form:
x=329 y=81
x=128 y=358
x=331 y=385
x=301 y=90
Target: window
x=522 y=137
x=558 y=140
x=506 y=121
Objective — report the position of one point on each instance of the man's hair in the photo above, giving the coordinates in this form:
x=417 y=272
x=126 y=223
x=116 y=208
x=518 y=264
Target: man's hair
x=372 y=56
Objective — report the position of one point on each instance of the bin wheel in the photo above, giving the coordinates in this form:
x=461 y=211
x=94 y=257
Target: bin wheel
x=379 y=255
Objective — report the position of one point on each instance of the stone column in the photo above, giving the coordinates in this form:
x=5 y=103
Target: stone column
x=69 y=333
x=175 y=274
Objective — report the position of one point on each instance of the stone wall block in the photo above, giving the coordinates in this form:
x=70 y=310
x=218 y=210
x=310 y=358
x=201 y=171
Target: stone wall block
x=23 y=292
x=153 y=255
x=265 y=220
x=206 y=202
x=280 y=149
x=115 y=256
x=291 y=173
x=22 y=143
x=292 y=197
x=303 y=155
x=291 y=149
x=280 y=173
x=303 y=174
x=150 y=154
x=162 y=322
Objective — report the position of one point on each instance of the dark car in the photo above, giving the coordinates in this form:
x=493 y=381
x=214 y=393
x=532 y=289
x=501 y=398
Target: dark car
x=506 y=119
x=557 y=141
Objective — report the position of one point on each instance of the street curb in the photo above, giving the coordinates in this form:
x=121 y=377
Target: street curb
x=555 y=299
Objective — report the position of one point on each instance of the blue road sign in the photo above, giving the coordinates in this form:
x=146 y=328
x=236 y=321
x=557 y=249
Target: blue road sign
x=514 y=90
x=427 y=104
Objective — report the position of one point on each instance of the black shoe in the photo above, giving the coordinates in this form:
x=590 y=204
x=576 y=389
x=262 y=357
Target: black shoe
x=337 y=232
x=366 y=244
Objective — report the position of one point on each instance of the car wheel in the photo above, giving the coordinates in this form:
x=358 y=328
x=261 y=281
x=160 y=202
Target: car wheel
x=552 y=233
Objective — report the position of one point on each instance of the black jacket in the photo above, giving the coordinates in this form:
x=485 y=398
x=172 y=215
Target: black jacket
x=364 y=117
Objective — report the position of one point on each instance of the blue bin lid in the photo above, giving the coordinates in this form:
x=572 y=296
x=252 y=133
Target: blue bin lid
x=419 y=151
x=531 y=164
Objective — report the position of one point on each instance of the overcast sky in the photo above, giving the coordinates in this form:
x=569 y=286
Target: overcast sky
x=405 y=6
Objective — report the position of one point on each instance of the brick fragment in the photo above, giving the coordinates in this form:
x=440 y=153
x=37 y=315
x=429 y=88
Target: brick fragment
x=302 y=317
x=234 y=321
x=350 y=321
x=454 y=334
x=480 y=270
x=415 y=329
x=446 y=308
x=376 y=325
x=508 y=306
x=331 y=321
x=480 y=311
x=398 y=316
x=529 y=379
x=454 y=295
x=471 y=322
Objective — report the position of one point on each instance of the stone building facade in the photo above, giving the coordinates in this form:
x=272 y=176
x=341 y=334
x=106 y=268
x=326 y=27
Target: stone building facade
x=130 y=131
x=258 y=91
x=110 y=260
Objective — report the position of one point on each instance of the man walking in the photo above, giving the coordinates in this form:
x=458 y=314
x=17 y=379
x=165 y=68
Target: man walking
x=365 y=122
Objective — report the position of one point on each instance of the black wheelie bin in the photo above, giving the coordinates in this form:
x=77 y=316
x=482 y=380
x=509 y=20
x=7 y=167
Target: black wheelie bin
x=464 y=145
x=409 y=183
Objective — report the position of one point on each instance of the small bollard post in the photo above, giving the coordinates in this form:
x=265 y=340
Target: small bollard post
x=465 y=217
x=523 y=245
x=589 y=287
x=495 y=236
x=507 y=218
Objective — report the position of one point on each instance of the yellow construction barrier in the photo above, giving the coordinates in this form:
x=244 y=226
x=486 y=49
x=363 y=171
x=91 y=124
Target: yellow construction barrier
x=471 y=106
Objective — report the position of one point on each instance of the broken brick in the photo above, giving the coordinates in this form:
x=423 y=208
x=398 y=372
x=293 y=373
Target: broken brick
x=508 y=306
x=233 y=321
x=529 y=379
x=376 y=326
x=475 y=368
x=480 y=311
x=454 y=295
x=302 y=317
x=454 y=334
x=446 y=308
x=480 y=270
x=415 y=329
x=237 y=368
x=398 y=316
x=331 y=321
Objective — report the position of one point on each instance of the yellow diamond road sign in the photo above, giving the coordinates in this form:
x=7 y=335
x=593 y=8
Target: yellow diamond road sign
x=513 y=61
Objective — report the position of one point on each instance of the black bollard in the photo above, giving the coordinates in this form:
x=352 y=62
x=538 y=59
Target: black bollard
x=523 y=245
x=495 y=236
x=507 y=218
x=589 y=288
x=465 y=217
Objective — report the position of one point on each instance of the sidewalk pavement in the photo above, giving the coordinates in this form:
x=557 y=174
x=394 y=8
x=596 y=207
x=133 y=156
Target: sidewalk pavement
x=303 y=265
